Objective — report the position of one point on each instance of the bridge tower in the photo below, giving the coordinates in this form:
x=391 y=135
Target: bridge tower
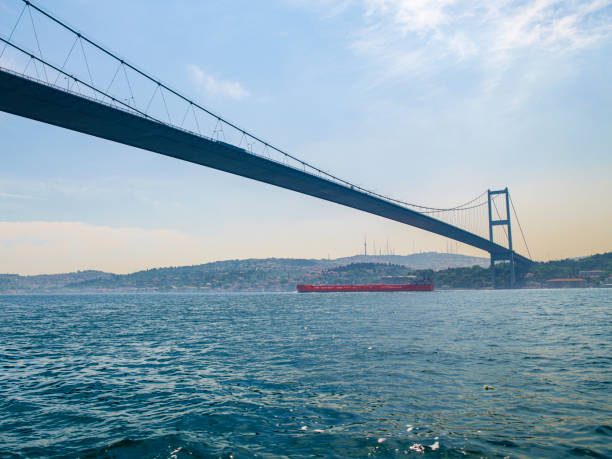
x=501 y=222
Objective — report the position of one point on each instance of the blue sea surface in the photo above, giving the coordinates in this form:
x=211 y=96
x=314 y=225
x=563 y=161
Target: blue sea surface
x=330 y=375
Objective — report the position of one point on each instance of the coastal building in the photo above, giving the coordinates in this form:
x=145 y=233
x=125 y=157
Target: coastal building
x=532 y=284
x=594 y=274
x=565 y=283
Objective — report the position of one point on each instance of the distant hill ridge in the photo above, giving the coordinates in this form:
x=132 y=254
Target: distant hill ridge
x=282 y=274
x=256 y=274
x=424 y=260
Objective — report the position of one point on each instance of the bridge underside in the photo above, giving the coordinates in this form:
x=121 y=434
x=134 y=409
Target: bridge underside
x=38 y=101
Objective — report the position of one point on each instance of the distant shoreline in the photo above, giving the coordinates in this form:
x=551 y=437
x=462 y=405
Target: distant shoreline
x=283 y=274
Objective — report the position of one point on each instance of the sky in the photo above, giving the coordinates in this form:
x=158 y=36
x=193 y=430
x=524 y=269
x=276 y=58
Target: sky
x=432 y=102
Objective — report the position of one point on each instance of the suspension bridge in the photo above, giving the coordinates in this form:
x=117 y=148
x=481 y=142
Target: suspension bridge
x=53 y=73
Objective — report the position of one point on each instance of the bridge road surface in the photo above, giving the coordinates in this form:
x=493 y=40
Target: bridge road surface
x=39 y=101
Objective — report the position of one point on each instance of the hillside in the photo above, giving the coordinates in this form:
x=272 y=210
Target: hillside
x=424 y=260
x=46 y=282
x=536 y=276
x=282 y=274
x=272 y=274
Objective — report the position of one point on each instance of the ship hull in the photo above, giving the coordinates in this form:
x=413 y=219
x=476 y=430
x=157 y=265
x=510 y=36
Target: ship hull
x=302 y=288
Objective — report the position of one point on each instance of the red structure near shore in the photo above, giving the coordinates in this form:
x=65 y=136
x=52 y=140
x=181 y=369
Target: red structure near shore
x=425 y=287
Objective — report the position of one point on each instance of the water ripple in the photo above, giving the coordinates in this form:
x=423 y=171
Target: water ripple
x=172 y=376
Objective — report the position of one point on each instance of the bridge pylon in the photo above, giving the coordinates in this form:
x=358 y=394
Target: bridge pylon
x=509 y=255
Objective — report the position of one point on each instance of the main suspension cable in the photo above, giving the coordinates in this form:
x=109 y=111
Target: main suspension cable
x=520 y=227
x=161 y=86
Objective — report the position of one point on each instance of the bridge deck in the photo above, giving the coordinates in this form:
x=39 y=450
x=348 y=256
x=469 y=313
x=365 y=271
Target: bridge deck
x=38 y=101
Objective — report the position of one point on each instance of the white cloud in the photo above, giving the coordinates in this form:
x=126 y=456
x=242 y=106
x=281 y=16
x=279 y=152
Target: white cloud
x=16 y=196
x=421 y=16
x=549 y=25
x=213 y=86
x=408 y=37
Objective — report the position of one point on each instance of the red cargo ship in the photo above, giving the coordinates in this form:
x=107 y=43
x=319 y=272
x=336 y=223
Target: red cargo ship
x=424 y=287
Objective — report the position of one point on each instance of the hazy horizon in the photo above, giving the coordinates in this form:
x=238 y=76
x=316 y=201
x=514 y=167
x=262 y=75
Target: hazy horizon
x=84 y=269
x=242 y=259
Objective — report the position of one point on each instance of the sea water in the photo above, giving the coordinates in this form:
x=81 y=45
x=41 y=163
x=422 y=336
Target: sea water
x=299 y=375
